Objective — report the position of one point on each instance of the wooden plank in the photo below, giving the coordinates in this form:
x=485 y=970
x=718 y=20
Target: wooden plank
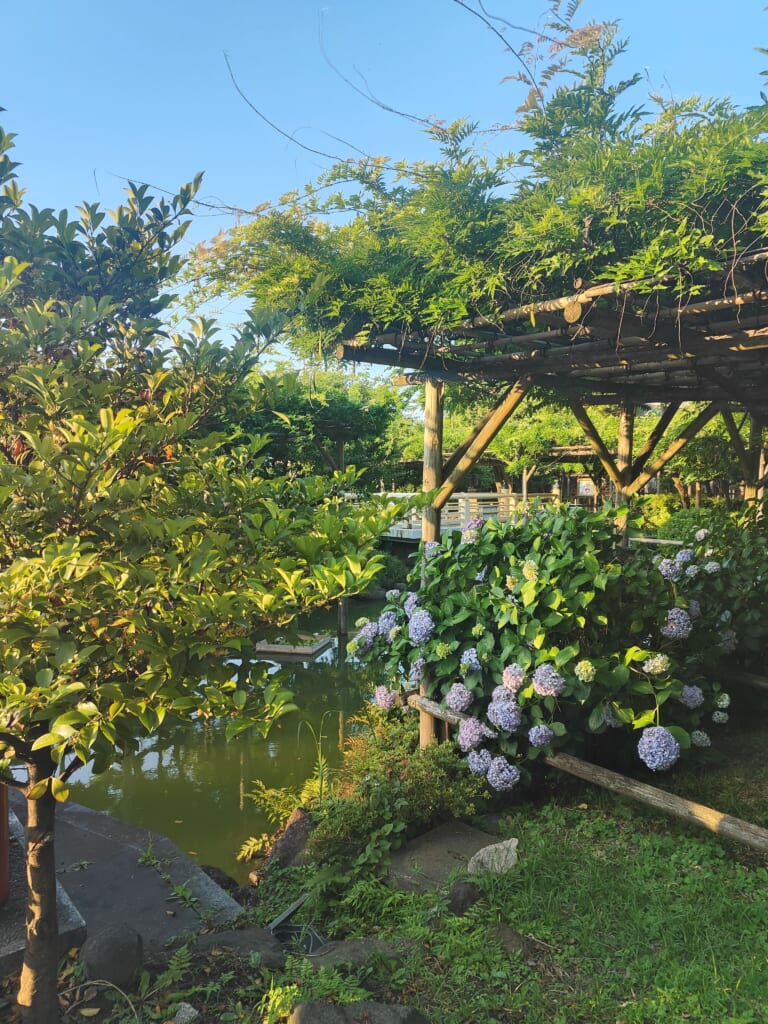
x=686 y=810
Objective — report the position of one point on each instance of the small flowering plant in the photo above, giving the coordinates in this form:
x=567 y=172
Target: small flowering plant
x=537 y=634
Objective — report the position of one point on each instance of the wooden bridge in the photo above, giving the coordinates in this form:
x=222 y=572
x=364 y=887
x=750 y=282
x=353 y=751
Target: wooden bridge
x=461 y=507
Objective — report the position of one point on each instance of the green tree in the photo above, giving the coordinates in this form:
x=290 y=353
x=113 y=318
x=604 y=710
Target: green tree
x=138 y=548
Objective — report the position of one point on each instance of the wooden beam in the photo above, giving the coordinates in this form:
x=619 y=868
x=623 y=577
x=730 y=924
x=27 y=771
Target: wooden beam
x=654 y=437
x=736 y=440
x=586 y=424
x=482 y=439
x=682 y=439
x=686 y=810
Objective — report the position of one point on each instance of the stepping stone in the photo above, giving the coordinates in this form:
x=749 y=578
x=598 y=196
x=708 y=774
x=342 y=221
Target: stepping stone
x=428 y=861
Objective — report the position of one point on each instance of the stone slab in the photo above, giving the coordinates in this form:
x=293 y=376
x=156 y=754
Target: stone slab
x=13 y=913
x=427 y=862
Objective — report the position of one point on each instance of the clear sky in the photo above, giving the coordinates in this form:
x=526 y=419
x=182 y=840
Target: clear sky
x=99 y=90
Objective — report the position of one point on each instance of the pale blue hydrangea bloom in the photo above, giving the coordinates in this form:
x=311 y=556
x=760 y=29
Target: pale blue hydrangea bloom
x=700 y=535
x=711 y=568
x=678 y=625
x=393 y=595
x=365 y=638
x=502 y=775
x=421 y=627
x=658 y=748
x=691 y=697
x=479 y=761
x=547 y=682
x=387 y=622
x=472 y=732
x=670 y=569
x=691 y=571
x=540 y=736
x=505 y=715
x=459 y=697
x=412 y=602
x=470 y=661
x=416 y=673
x=685 y=555
x=719 y=717
x=699 y=738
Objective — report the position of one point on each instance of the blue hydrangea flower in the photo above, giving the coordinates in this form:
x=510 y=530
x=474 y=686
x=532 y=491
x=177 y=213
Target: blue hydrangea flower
x=540 y=736
x=711 y=568
x=393 y=595
x=472 y=732
x=385 y=698
x=421 y=627
x=365 y=638
x=670 y=569
x=412 y=602
x=658 y=748
x=694 y=608
x=719 y=717
x=678 y=625
x=691 y=571
x=431 y=548
x=691 y=697
x=505 y=715
x=547 y=682
x=612 y=720
x=699 y=738
x=479 y=761
x=501 y=693
x=470 y=661
x=502 y=775
x=387 y=622
x=685 y=555
x=459 y=697
x=416 y=673
x=656 y=665
x=513 y=677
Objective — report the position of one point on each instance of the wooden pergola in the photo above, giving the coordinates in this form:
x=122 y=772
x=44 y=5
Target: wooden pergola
x=624 y=344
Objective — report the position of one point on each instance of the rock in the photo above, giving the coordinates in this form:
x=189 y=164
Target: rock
x=512 y=941
x=498 y=858
x=246 y=941
x=356 y=951
x=114 y=954
x=186 y=1014
x=289 y=848
x=241 y=893
x=462 y=896
x=365 y=1012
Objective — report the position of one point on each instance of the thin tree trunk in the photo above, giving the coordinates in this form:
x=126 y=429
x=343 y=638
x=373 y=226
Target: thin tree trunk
x=38 y=997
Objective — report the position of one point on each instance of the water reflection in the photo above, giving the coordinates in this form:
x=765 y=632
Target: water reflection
x=191 y=785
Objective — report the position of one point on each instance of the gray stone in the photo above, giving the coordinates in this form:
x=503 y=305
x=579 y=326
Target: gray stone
x=356 y=951
x=498 y=858
x=511 y=940
x=365 y=1012
x=429 y=861
x=246 y=941
x=290 y=847
x=186 y=1014
x=115 y=954
x=462 y=896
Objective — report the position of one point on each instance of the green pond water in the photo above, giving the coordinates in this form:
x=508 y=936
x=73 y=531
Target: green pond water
x=192 y=786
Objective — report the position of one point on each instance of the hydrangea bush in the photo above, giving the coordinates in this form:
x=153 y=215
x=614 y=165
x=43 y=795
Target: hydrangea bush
x=541 y=632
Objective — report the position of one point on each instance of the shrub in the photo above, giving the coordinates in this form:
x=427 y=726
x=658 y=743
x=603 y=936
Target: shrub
x=558 y=635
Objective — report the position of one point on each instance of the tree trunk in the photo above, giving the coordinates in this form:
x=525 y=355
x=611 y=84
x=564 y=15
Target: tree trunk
x=38 y=997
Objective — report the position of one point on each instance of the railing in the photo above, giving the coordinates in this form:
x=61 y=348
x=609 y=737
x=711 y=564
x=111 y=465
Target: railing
x=461 y=507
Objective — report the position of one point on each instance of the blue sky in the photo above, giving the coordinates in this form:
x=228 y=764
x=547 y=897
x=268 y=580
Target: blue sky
x=100 y=91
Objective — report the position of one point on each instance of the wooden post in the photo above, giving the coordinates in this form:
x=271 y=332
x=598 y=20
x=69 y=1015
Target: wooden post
x=755 y=455
x=624 y=464
x=430 y=523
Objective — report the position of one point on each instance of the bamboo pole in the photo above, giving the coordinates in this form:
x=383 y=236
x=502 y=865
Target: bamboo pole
x=678 y=807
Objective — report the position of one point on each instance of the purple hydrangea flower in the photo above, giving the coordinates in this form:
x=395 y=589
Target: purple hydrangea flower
x=513 y=677
x=470 y=528
x=421 y=627
x=416 y=673
x=412 y=602
x=540 y=736
x=431 y=548
x=502 y=775
x=459 y=697
x=685 y=555
x=500 y=693
x=472 y=732
x=547 y=682
x=479 y=761
x=658 y=748
x=387 y=622
x=678 y=625
x=505 y=715
x=691 y=697
x=470 y=661
x=694 y=608
x=392 y=595
x=670 y=569
x=691 y=571
x=385 y=697
x=365 y=638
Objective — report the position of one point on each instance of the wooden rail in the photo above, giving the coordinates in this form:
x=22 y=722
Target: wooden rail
x=686 y=810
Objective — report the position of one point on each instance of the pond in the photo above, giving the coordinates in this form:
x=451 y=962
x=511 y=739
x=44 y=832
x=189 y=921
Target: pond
x=192 y=786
